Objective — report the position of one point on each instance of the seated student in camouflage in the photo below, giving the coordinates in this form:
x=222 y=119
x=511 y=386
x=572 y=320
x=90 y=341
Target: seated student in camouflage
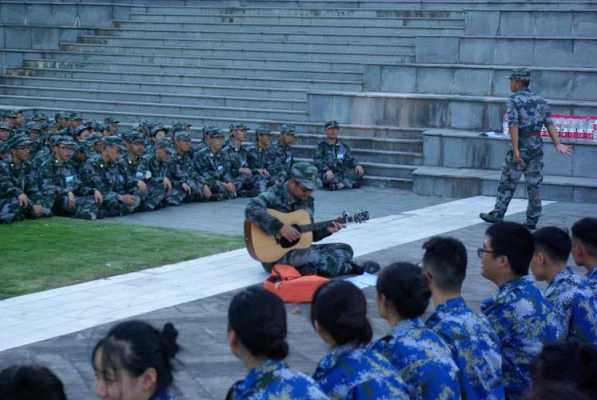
x=519 y=314
x=333 y=158
x=239 y=156
x=5 y=133
x=262 y=160
x=18 y=184
x=59 y=183
x=284 y=155
x=112 y=124
x=185 y=173
x=213 y=164
x=133 y=157
x=156 y=133
x=352 y=369
x=257 y=336
x=10 y=119
x=567 y=292
x=584 y=249
x=105 y=177
x=330 y=259
x=422 y=358
x=158 y=171
x=475 y=346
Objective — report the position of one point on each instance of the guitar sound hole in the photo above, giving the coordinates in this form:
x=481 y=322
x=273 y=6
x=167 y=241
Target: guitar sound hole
x=286 y=243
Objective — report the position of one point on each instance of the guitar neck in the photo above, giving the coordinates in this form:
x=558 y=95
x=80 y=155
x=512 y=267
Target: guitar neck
x=315 y=226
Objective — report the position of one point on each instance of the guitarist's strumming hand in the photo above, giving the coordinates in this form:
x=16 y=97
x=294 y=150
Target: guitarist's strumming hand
x=334 y=226
x=289 y=233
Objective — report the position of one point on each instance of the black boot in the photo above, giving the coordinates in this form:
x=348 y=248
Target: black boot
x=370 y=267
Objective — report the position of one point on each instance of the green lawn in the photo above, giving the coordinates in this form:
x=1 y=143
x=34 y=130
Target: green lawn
x=49 y=253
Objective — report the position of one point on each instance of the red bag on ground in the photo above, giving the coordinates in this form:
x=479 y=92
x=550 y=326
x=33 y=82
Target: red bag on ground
x=292 y=287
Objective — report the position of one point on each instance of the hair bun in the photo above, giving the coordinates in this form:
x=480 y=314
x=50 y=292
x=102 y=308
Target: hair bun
x=168 y=336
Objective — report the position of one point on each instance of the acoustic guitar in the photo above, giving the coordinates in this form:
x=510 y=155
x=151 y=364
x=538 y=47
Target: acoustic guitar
x=267 y=248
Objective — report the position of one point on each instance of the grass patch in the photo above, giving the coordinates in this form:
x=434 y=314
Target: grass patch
x=44 y=254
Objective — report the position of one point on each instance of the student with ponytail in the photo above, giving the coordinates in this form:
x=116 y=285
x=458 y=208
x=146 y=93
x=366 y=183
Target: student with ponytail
x=257 y=336
x=351 y=370
x=134 y=362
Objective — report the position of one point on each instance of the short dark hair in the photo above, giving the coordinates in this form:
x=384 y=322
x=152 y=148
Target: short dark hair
x=135 y=346
x=28 y=382
x=340 y=308
x=585 y=230
x=258 y=318
x=405 y=287
x=555 y=391
x=554 y=241
x=446 y=258
x=514 y=241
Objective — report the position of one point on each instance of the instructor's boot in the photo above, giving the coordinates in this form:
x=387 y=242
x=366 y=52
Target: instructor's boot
x=370 y=267
x=491 y=217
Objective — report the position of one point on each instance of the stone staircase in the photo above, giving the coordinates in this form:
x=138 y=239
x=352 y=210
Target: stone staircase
x=387 y=69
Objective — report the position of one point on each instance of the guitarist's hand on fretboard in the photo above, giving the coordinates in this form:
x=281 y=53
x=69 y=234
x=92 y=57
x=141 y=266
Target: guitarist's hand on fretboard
x=335 y=226
x=289 y=233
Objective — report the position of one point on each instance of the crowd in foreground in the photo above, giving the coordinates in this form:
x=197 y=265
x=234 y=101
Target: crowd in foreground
x=524 y=344
x=86 y=169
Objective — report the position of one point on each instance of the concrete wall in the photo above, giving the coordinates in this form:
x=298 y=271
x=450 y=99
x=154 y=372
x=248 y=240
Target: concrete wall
x=62 y=14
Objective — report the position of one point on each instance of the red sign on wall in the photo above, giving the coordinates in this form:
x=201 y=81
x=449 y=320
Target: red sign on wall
x=574 y=126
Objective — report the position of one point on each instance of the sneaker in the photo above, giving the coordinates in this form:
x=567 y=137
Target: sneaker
x=490 y=217
x=370 y=267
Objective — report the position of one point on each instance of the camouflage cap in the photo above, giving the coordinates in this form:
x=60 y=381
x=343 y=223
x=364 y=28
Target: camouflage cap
x=287 y=129
x=520 y=74
x=114 y=141
x=166 y=144
x=74 y=117
x=182 y=135
x=58 y=116
x=133 y=136
x=18 y=140
x=63 y=140
x=238 y=126
x=34 y=126
x=94 y=138
x=331 y=124
x=111 y=120
x=81 y=128
x=263 y=131
x=5 y=127
x=157 y=128
x=10 y=114
x=39 y=117
x=180 y=126
x=305 y=173
x=213 y=132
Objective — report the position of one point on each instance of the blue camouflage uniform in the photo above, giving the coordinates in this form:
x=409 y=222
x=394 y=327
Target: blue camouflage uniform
x=575 y=306
x=475 y=349
x=592 y=280
x=273 y=380
x=163 y=394
x=524 y=322
x=529 y=112
x=359 y=372
x=422 y=359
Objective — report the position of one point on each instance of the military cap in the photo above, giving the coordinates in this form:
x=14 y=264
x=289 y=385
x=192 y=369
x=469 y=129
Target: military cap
x=331 y=124
x=58 y=116
x=213 y=132
x=305 y=173
x=17 y=140
x=110 y=120
x=34 y=126
x=114 y=141
x=182 y=135
x=5 y=127
x=262 y=131
x=158 y=128
x=74 y=117
x=287 y=129
x=133 y=137
x=166 y=144
x=181 y=126
x=238 y=126
x=95 y=137
x=39 y=117
x=81 y=128
x=63 y=140
x=520 y=74
x=10 y=114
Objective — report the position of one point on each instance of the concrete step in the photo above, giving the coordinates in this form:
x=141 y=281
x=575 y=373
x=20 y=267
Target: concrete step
x=277 y=83
x=154 y=108
x=376 y=156
x=16 y=57
x=311 y=44
x=425 y=110
x=370 y=143
x=421 y=5
x=207 y=90
x=39 y=36
x=199 y=20
x=401 y=55
x=480 y=80
x=462 y=182
x=537 y=51
x=288 y=29
x=289 y=73
x=155 y=97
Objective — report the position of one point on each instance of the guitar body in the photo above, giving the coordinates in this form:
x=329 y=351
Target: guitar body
x=266 y=248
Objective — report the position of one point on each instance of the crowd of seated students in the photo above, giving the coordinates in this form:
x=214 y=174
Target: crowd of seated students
x=524 y=343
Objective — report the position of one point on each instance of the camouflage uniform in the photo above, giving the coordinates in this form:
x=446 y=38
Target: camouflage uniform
x=263 y=158
x=524 y=322
x=592 y=280
x=153 y=172
x=422 y=359
x=575 y=306
x=475 y=349
x=111 y=180
x=338 y=159
x=274 y=380
x=350 y=372
x=56 y=180
x=163 y=394
x=324 y=259
x=185 y=171
x=284 y=156
x=215 y=168
x=529 y=112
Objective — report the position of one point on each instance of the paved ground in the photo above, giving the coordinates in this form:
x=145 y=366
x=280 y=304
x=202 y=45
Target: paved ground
x=206 y=367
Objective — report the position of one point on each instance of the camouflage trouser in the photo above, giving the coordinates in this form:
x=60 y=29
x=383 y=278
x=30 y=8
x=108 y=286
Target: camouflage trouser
x=219 y=191
x=245 y=186
x=531 y=152
x=157 y=197
x=331 y=259
x=11 y=211
x=85 y=206
x=196 y=192
x=346 y=179
x=112 y=207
